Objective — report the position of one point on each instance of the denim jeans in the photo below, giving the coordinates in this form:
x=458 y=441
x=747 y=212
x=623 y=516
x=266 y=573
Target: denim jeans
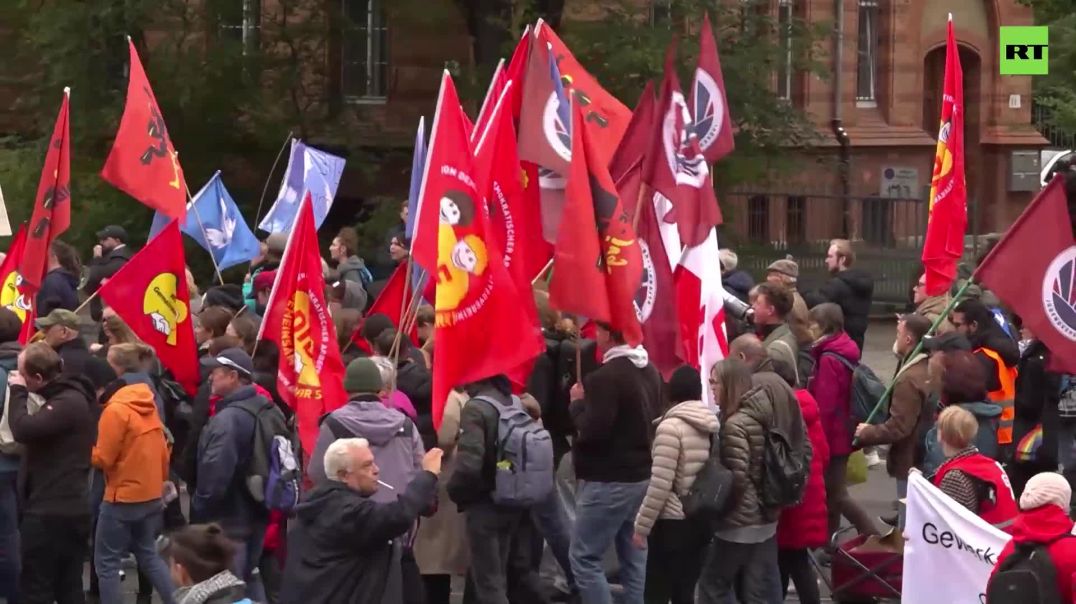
x=130 y=527
x=9 y=537
x=743 y=573
x=248 y=555
x=605 y=516
x=556 y=529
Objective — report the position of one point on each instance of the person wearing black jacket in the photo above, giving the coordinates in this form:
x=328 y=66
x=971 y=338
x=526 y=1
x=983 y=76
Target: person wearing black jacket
x=498 y=535
x=344 y=548
x=53 y=479
x=109 y=256
x=61 y=330
x=850 y=288
x=1037 y=394
x=59 y=288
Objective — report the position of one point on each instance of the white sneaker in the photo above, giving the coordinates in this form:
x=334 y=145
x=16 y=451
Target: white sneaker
x=873 y=459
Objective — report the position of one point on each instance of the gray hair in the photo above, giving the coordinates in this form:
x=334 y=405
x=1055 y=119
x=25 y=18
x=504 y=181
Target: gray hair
x=388 y=371
x=338 y=455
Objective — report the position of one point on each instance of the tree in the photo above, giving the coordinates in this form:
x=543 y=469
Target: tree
x=1056 y=91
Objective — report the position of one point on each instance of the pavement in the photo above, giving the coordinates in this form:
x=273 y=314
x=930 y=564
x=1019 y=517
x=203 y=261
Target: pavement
x=877 y=495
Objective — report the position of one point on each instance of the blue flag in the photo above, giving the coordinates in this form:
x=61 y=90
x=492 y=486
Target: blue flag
x=222 y=232
x=309 y=169
x=418 y=165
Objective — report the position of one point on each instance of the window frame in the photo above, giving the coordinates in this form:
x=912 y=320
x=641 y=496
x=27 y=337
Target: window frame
x=376 y=54
x=785 y=69
x=867 y=51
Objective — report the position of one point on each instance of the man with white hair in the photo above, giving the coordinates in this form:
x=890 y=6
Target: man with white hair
x=343 y=541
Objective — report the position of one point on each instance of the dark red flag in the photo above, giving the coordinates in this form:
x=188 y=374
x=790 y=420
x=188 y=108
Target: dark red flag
x=516 y=70
x=143 y=163
x=16 y=294
x=150 y=294
x=636 y=142
x=597 y=263
x=311 y=377
x=709 y=103
x=1033 y=271
x=545 y=136
x=390 y=302
x=675 y=166
x=52 y=205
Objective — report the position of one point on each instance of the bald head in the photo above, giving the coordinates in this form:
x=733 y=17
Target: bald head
x=749 y=349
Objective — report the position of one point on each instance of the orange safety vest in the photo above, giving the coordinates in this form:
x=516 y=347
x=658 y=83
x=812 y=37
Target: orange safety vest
x=1004 y=396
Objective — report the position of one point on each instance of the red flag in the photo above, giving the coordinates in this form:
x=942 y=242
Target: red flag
x=636 y=142
x=516 y=70
x=150 y=294
x=944 y=242
x=143 y=163
x=496 y=87
x=701 y=298
x=605 y=117
x=52 y=205
x=1033 y=271
x=544 y=121
x=597 y=263
x=390 y=302
x=311 y=378
x=16 y=294
x=709 y=103
x=475 y=300
x=656 y=301
x=675 y=167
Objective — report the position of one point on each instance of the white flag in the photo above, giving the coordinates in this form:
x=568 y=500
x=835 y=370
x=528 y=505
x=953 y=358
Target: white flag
x=949 y=552
x=5 y=224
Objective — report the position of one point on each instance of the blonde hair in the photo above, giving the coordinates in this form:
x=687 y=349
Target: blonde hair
x=338 y=456
x=957 y=427
x=133 y=357
x=119 y=332
x=844 y=250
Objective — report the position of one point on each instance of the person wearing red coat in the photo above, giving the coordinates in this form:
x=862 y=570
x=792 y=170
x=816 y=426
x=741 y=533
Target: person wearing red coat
x=805 y=526
x=831 y=387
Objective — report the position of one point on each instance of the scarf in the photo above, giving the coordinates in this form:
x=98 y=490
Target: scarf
x=637 y=355
x=201 y=592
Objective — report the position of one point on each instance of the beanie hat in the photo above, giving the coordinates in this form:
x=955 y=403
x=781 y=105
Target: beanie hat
x=1046 y=488
x=362 y=377
x=786 y=266
x=685 y=385
x=728 y=259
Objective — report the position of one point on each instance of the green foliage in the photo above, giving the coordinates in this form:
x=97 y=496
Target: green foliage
x=1057 y=90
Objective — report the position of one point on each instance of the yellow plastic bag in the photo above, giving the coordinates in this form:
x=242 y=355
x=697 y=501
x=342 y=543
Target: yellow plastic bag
x=857 y=469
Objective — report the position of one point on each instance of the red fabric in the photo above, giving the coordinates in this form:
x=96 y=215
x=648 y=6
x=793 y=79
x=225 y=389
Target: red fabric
x=143 y=163
x=806 y=525
x=52 y=204
x=605 y=117
x=214 y=399
x=712 y=120
x=150 y=294
x=497 y=84
x=545 y=144
x=389 y=303
x=597 y=260
x=635 y=144
x=516 y=70
x=944 y=242
x=700 y=297
x=831 y=386
x=311 y=377
x=476 y=299
x=1041 y=525
x=987 y=470
x=675 y=166
x=1038 y=248
x=15 y=293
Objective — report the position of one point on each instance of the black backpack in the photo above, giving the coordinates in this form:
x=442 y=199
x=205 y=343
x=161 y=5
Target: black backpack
x=708 y=498
x=1027 y=576
x=784 y=470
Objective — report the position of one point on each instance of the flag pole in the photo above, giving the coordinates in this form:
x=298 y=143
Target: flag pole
x=394 y=351
x=541 y=273
x=918 y=348
x=201 y=227
x=77 y=310
x=265 y=189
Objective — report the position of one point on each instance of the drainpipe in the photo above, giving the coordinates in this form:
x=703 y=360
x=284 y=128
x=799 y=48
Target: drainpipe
x=837 y=123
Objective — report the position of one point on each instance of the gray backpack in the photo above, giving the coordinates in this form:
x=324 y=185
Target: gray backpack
x=524 y=475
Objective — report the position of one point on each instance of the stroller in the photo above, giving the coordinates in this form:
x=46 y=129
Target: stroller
x=864 y=574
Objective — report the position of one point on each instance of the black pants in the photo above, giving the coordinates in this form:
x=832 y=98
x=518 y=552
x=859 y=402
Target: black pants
x=501 y=569
x=438 y=588
x=796 y=565
x=53 y=549
x=673 y=561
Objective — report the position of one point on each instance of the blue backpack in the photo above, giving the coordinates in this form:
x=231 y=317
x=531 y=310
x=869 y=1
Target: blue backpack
x=524 y=475
x=273 y=476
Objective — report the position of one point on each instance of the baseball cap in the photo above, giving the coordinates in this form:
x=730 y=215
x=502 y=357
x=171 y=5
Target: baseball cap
x=264 y=281
x=113 y=230
x=232 y=358
x=59 y=316
x=946 y=342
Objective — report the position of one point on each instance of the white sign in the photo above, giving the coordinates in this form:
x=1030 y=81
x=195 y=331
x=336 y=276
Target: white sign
x=949 y=552
x=899 y=183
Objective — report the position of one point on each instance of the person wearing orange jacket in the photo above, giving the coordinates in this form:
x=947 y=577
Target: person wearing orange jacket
x=132 y=451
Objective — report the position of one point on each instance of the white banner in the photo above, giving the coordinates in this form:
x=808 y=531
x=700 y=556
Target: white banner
x=949 y=552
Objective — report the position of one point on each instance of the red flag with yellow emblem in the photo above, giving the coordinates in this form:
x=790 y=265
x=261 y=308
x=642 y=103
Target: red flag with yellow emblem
x=150 y=294
x=143 y=163
x=17 y=294
x=944 y=242
x=311 y=377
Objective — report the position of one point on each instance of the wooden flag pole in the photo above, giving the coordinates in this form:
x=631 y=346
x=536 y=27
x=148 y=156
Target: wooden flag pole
x=394 y=352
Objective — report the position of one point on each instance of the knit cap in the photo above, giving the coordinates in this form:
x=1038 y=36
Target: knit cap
x=362 y=377
x=1046 y=488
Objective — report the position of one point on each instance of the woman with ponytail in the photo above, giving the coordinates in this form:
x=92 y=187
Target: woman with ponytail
x=201 y=556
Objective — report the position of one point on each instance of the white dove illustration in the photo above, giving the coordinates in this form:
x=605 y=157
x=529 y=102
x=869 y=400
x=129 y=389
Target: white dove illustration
x=220 y=238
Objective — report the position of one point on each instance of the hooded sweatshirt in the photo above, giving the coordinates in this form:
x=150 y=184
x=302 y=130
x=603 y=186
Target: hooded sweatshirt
x=355 y=297
x=1042 y=525
x=394 y=441
x=131 y=447
x=681 y=447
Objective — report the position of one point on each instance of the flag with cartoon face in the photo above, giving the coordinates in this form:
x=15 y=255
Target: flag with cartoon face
x=150 y=294
x=17 y=294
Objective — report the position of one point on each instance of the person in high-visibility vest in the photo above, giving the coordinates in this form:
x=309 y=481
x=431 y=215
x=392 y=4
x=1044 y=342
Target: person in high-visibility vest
x=999 y=354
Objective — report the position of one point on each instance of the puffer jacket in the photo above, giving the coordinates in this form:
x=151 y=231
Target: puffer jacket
x=831 y=386
x=681 y=447
x=805 y=525
x=742 y=447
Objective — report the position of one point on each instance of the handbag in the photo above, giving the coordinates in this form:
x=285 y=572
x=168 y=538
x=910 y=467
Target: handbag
x=856 y=473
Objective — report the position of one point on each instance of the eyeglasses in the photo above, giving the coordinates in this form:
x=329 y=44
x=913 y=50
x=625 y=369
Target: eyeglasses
x=920 y=285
